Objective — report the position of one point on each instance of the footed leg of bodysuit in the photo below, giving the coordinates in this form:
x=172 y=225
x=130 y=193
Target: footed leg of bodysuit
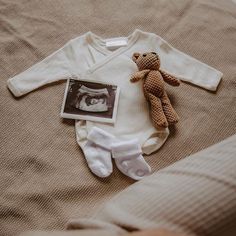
x=129 y=160
x=98 y=159
x=97 y=152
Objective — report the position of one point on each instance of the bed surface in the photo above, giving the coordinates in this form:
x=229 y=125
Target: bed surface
x=44 y=177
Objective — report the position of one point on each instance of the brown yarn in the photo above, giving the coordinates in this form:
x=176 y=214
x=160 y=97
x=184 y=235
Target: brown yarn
x=162 y=112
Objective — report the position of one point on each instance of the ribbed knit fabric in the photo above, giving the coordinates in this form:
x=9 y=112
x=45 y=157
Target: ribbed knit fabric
x=116 y=67
x=194 y=196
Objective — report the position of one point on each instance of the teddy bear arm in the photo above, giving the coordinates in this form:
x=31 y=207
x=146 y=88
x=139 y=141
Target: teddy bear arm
x=170 y=79
x=139 y=75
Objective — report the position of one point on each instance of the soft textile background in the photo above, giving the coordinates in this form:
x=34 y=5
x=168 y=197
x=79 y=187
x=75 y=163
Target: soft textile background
x=44 y=177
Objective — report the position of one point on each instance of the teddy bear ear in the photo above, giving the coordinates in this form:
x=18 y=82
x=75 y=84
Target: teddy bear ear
x=135 y=56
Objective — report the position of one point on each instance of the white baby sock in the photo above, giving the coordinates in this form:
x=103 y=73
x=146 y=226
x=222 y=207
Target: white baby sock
x=129 y=160
x=97 y=152
x=127 y=154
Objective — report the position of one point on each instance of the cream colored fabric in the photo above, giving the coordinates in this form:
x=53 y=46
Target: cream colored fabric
x=44 y=178
x=195 y=196
x=89 y=52
x=87 y=58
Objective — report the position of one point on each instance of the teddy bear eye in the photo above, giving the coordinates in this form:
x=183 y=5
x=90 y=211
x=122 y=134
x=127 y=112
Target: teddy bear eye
x=144 y=55
x=154 y=53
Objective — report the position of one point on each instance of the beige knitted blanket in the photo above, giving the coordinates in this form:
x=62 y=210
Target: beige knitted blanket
x=44 y=177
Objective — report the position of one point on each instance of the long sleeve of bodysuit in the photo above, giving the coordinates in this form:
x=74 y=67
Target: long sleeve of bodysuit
x=186 y=67
x=64 y=63
x=57 y=66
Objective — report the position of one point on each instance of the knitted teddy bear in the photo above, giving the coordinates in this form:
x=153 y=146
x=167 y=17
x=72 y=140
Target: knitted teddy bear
x=162 y=112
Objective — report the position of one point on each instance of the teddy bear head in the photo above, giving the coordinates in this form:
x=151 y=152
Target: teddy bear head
x=147 y=60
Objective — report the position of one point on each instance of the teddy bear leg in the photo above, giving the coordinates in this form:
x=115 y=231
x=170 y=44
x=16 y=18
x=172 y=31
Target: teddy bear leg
x=157 y=113
x=169 y=111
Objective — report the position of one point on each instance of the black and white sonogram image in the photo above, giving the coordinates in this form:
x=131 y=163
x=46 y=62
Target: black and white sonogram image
x=93 y=99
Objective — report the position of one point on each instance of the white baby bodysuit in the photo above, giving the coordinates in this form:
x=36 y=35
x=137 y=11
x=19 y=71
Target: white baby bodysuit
x=90 y=57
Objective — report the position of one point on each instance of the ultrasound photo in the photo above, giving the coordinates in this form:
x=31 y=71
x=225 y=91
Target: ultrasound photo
x=86 y=100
